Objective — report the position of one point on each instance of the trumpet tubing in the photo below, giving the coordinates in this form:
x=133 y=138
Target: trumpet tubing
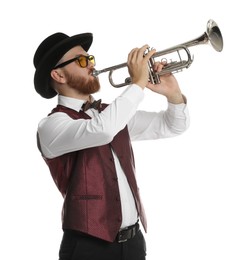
x=212 y=35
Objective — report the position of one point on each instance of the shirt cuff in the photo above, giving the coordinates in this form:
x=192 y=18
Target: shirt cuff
x=133 y=93
x=178 y=108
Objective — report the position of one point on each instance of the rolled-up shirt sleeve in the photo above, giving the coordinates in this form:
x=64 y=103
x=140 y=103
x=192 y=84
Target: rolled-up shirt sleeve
x=155 y=125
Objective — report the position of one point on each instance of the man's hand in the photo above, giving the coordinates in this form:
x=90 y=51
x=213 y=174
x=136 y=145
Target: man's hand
x=138 y=65
x=168 y=87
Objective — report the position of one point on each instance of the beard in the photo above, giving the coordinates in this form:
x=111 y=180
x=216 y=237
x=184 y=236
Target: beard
x=85 y=86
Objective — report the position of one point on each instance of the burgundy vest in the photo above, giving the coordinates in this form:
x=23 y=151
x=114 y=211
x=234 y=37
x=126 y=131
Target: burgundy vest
x=88 y=182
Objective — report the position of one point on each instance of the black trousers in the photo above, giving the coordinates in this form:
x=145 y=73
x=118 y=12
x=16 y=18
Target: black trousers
x=76 y=246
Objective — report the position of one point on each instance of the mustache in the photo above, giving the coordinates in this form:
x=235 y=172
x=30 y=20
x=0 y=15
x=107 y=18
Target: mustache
x=90 y=71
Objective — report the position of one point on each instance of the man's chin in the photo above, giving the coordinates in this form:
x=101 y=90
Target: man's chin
x=94 y=86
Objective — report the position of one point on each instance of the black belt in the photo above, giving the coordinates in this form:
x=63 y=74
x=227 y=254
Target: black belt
x=127 y=233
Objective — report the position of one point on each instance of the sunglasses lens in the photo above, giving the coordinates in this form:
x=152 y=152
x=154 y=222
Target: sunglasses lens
x=83 y=61
x=91 y=59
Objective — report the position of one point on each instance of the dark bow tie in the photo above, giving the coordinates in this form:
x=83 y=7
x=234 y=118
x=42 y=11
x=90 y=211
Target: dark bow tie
x=95 y=104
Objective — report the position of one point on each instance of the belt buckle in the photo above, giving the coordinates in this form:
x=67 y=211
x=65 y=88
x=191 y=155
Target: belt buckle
x=120 y=237
x=127 y=233
x=122 y=240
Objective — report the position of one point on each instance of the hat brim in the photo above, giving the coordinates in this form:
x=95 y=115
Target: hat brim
x=42 y=73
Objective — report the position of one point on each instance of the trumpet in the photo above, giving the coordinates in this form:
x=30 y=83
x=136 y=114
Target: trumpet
x=212 y=35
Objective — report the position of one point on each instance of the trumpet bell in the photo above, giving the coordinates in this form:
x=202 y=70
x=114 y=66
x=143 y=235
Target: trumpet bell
x=214 y=35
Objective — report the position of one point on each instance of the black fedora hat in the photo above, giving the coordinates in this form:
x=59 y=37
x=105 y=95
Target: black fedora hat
x=49 y=52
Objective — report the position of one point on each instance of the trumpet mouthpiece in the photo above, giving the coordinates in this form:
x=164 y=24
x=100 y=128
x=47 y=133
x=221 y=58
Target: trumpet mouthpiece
x=95 y=73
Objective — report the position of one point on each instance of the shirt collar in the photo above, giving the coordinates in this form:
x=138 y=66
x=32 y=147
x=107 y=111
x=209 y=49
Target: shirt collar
x=72 y=103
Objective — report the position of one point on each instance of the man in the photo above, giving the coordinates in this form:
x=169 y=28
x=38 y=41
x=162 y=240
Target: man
x=87 y=146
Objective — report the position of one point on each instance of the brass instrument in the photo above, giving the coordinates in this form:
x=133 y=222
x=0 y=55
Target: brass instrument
x=212 y=35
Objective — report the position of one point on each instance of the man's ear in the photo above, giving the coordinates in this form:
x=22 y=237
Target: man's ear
x=57 y=75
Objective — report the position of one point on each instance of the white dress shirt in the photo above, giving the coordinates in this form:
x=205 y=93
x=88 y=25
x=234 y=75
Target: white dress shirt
x=60 y=134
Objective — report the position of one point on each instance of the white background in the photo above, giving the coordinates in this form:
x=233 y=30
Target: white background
x=193 y=186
